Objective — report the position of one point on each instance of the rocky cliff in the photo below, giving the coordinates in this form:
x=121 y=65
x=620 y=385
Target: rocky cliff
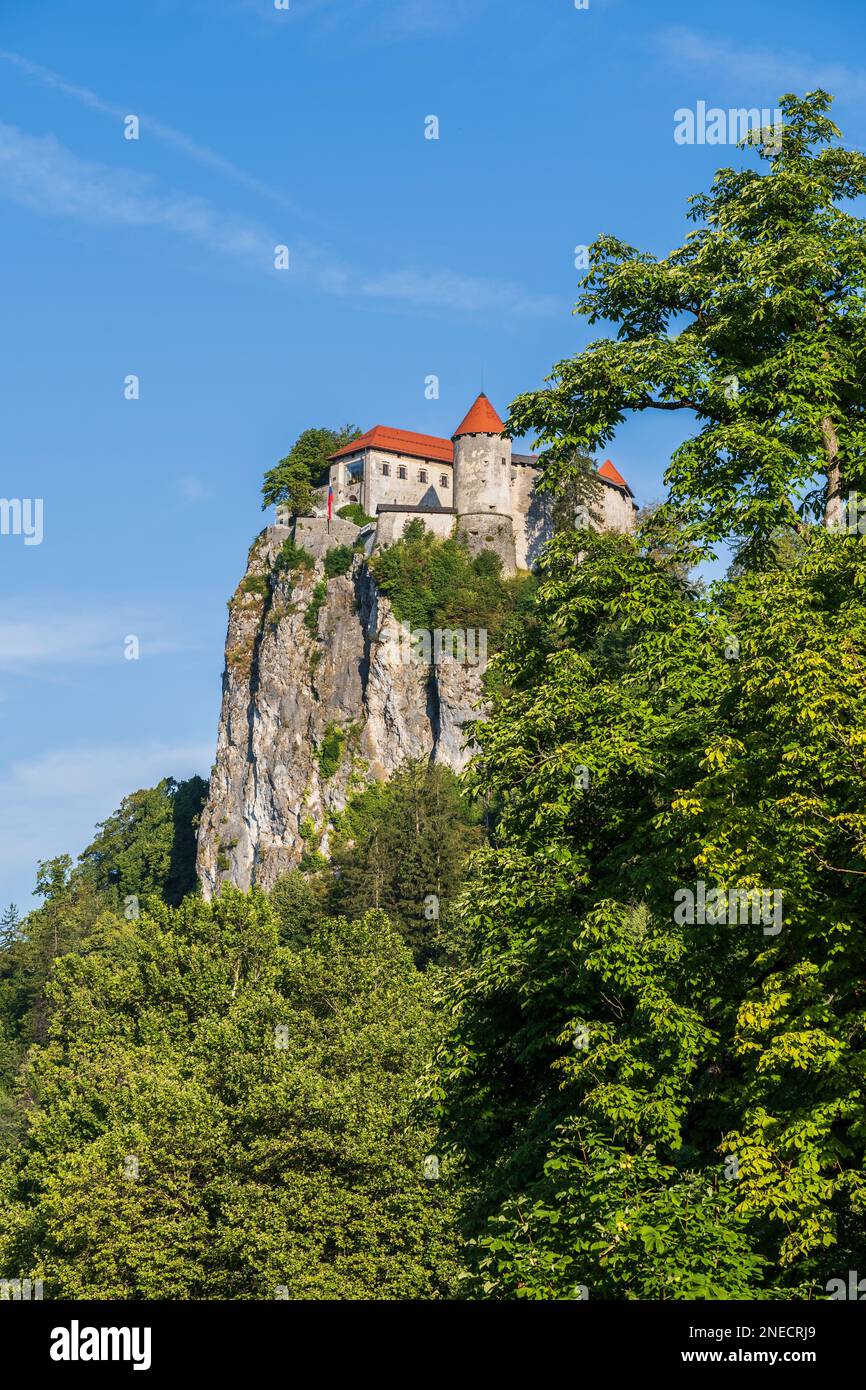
x=320 y=696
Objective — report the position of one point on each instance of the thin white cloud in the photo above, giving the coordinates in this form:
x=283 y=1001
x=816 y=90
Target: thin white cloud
x=42 y=174
x=771 y=71
x=53 y=639
x=150 y=126
x=449 y=290
x=193 y=489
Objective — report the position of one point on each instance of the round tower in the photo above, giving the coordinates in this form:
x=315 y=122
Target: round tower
x=482 y=483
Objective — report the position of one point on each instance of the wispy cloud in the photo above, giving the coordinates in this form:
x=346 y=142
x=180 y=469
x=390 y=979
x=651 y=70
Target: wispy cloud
x=41 y=173
x=169 y=135
x=51 y=637
x=50 y=803
x=777 y=69
x=450 y=290
x=192 y=489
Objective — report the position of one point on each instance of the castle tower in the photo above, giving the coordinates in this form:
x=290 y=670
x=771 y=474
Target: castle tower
x=482 y=483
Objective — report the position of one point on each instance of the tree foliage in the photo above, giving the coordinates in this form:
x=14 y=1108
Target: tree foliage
x=753 y=328
x=149 y=844
x=217 y=1116
x=434 y=583
x=146 y=848
x=653 y=1103
x=292 y=482
x=402 y=847
x=633 y=758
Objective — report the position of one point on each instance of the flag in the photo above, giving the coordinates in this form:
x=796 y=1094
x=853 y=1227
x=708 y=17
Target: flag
x=330 y=500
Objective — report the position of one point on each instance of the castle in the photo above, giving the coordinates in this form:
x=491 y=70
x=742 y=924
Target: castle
x=473 y=479
x=325 y=689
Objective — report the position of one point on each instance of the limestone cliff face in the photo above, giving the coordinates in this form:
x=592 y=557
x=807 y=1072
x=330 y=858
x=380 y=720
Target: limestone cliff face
x=320 y=697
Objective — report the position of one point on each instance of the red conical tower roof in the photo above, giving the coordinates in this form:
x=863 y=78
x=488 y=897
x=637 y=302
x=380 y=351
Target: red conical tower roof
x=613 y=475
x=482 y=419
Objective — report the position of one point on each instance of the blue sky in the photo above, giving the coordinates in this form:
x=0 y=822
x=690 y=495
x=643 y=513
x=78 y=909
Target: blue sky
x=408 y=257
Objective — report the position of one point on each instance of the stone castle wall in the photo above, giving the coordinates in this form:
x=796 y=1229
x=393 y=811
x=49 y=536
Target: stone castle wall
x=391 y=525
x=482 y=475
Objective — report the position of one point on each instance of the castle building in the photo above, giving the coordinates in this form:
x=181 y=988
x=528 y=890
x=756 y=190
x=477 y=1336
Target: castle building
x=473 y=480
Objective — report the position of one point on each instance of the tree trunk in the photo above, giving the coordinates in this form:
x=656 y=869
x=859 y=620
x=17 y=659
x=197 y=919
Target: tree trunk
x=833 y=509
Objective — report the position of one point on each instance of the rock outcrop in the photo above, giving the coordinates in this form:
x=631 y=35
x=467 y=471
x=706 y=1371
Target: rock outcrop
x=321 y=695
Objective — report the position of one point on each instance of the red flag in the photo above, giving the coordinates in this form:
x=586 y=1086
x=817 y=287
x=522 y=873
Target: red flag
x=330 y=500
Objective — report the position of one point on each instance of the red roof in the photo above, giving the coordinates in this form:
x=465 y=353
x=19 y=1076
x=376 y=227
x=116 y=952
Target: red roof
x=419 y=446
x=613 y=475
x=482 y=419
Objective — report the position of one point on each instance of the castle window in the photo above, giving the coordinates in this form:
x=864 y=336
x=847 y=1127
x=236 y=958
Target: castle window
x=443 y=480
x=386 y=470
x=422 y=475
x=402 y=471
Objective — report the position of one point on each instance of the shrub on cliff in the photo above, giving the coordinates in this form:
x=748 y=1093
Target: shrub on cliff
x=293 y=557
x=354 y=512
x=338 y=561
x=434 y=583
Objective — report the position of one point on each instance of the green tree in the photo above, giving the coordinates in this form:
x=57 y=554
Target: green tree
x=291 y=482
x=149 y=844
x=146 y=848
x=9 y=923
x=298 y=900
x=402 y=847
x=754 y=328
x=217 y=1116
x=653 y=1104
x=580 y=1037
x=433 y=583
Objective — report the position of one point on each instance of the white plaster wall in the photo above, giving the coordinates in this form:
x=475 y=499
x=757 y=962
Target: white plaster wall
x=376 y=488
x=619 y=509
x=409 y=490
